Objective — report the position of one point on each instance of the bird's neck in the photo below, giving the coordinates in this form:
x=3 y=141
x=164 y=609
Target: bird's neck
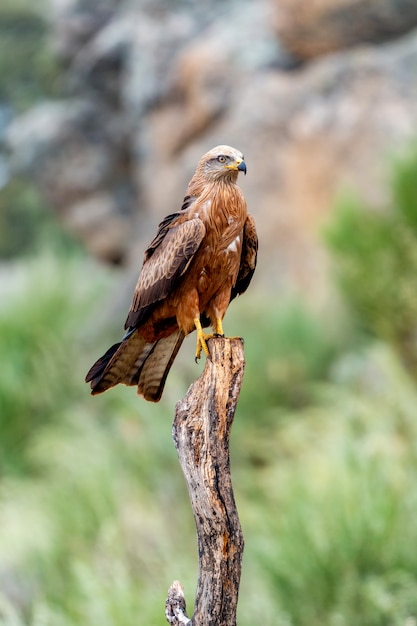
x=221 y=204
x=200 y=184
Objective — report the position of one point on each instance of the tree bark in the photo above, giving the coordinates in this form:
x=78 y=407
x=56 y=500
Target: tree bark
x=201 y=433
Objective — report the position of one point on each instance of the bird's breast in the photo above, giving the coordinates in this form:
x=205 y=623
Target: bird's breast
x=234 y=246
x=223 y=212
x=219 y=264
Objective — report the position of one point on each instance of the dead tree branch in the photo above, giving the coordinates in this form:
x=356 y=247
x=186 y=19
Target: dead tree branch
x=201 y=433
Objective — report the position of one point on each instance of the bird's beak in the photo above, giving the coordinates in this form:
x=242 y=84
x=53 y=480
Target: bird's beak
x=238 y=165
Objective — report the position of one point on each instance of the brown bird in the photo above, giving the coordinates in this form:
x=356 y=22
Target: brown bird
x=201 y=258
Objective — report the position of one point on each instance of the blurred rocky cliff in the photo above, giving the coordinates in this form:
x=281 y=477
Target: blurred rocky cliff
x=316 y=94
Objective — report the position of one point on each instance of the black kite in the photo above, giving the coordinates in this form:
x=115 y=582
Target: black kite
x=202 y=257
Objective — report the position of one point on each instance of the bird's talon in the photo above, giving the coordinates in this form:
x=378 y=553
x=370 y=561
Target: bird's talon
x=198 y=352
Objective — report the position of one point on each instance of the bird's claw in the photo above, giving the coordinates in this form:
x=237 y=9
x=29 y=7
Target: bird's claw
x=202 y=338
x=202 y=346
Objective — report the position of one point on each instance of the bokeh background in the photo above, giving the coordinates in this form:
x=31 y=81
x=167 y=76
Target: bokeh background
x=105 y=107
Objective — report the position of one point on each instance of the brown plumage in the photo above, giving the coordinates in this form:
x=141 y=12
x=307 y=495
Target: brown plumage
x=201 y=258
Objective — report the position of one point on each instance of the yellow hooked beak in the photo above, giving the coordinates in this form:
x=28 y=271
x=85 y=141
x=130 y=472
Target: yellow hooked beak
x=239 y=165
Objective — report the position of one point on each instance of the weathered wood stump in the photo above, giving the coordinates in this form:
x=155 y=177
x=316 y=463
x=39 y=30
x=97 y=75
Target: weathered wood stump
x=201 y=433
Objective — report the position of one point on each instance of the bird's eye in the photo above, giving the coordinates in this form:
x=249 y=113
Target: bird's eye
x=221 y=159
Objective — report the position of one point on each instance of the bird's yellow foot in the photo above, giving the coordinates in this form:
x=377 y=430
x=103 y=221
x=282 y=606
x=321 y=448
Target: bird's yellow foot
x=202 y=339
x=219 y=328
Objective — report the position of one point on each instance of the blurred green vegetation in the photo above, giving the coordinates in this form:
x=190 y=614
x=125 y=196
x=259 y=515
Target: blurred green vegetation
x=376 y=261
x=39 y=317
x=27 y=226
x=28 y=71
x=94 y=515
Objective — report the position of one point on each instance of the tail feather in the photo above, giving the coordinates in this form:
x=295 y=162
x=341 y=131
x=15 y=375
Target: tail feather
x=134 y=361
x=95 y=373
x=153 y=374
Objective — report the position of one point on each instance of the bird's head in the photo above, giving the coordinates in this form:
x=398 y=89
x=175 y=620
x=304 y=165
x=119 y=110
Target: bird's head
x=222 y=162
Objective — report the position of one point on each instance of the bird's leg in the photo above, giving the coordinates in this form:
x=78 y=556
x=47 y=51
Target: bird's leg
x=202 y=337
x=219 y=332
x=218 y=328
x=201 y=340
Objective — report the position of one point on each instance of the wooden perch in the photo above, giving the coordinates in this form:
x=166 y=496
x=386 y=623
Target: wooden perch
x=201 y=433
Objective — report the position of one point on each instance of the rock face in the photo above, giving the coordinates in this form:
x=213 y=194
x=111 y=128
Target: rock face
x=153 y=86
x=78 y=155
x=309 y=29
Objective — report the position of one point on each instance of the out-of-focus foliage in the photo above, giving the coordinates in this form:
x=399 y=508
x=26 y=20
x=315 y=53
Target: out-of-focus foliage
x=295 y=348
x=339 y=498
x=94 y=515
x=20 y=219
x=42 y=308
x=91 y=527
x=27 y=70
x=26 y=225
x=28 y=74
x=376 y=256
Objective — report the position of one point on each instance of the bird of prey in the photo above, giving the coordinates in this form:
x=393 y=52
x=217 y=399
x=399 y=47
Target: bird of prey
x=202 y=257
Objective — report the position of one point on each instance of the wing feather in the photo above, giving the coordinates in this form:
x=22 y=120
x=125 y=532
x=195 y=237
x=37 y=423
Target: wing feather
x=248 y=257
x=166 y=260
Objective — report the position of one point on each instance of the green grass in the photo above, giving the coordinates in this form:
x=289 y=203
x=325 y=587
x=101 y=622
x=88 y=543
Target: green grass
x=95 y=518
x=84 y=498
x=286 y=347
x=375 y=255
x=335 y=545
x=27 y=226
x=42 y=307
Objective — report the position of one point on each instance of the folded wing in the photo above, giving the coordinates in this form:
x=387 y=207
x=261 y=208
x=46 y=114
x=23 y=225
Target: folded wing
x=134 y=361
x=248 y=258
x=166 y=260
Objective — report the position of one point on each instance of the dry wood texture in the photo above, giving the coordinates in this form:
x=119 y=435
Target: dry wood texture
x=201 y=433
